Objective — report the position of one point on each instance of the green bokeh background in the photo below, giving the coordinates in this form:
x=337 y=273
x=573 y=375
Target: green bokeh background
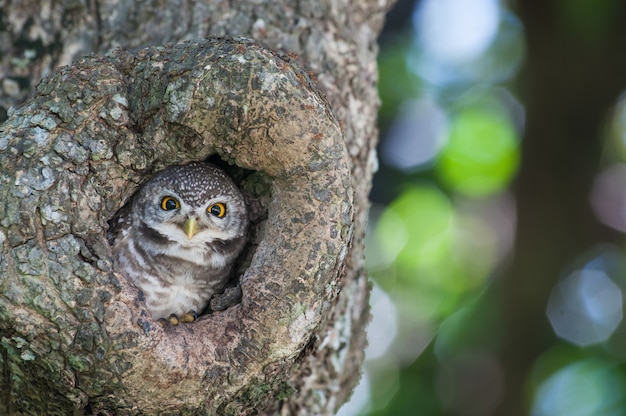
x=469 y=246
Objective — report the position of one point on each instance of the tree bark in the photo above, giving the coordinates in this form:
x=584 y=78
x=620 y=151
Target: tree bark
x=74 y=335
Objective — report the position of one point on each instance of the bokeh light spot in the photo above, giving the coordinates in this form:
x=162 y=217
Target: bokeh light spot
x=482 y=154
x=608 y=197
x=383 y=328
x=425 y=216
x=585 y=308
x=457 y=30
x=585 y=388
x=416 y=136
x=385 y=243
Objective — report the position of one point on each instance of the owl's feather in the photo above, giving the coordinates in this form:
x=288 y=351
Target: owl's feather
x=175 y=272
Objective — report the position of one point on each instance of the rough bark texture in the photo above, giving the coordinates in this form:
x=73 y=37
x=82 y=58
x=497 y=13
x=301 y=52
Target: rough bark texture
x=74 y=335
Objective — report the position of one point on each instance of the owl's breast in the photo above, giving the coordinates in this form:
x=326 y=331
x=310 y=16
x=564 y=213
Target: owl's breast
x=180 y=287
x=177 y=299
x=199 y=254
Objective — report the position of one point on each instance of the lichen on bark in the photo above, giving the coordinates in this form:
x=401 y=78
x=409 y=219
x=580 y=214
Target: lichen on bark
x=74 y=333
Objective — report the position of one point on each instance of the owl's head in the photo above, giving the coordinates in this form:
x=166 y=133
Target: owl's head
x=191 y=205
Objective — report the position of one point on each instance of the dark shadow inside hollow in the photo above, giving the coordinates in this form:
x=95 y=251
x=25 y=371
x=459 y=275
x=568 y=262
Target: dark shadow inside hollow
x=255 y=187
x=256 y=191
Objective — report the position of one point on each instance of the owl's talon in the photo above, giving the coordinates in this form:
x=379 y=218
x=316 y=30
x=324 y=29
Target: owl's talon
x=189 y=317
x=173 y=319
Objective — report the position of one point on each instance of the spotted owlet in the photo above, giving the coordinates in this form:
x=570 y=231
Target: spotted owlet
x=178 y=237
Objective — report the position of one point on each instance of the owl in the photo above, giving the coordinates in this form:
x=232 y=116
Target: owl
x=178 y=238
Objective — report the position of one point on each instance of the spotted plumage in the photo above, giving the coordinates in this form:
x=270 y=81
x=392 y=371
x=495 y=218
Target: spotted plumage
x=178 y=237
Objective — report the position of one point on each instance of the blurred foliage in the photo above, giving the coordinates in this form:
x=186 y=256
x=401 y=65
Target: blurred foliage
x=420 y=238
x=588 y=18
x=396 y=82
x=482 y=154
x=588 y=386
x=442 y=229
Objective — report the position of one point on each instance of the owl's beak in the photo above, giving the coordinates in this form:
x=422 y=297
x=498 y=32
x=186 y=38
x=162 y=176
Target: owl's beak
x=190 y=227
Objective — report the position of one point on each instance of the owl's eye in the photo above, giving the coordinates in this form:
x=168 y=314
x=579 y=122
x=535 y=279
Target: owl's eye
x=169 y=203
x=218 y=210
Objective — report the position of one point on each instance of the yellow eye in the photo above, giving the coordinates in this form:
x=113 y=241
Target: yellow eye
x=169 y=203
x=218 y=210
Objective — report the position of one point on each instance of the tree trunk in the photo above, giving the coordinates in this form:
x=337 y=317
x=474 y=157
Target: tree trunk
x=573 y=75
x=74 y=334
